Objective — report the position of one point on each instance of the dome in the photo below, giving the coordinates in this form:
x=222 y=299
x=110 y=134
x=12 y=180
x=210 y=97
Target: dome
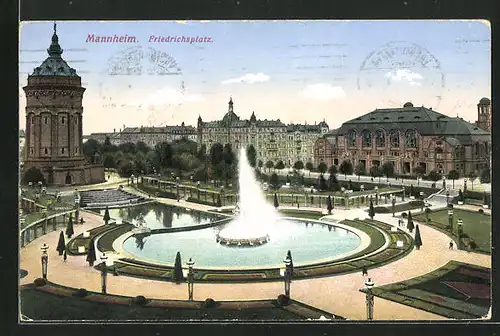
x=408 y=104
x=485 y=101
x=323 y=124
x=230 y=117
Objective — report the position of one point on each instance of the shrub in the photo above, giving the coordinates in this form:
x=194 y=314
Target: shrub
x=283 y=300
x=82 y=292
x=472 y=245
x=404 y=215
x=209 y=303
x=39 y=282
x=416 y=203
x=480 y=211
x=139 y=300
x=450 y=206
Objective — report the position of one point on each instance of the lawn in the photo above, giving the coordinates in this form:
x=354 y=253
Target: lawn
x=456 y=290
x=476 y=225
x=38 y=305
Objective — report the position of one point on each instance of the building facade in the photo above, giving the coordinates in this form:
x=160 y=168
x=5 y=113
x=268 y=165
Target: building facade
x=273 y=140
x=407 y=137
x=151 y=136
x=54 y=111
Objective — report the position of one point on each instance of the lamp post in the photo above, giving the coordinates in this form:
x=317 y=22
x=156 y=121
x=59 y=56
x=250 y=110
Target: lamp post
x=404 y=191
x=369 y=299
x=288 y=275
x=104 y=272
x=190 y=279
x=444 y=181
x=450 y=220
x=393 y=206
x=45 y=260
x=447 y=197
x=459 y=232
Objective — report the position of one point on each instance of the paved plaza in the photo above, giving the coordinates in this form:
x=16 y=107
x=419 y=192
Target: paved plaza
x=336 y=294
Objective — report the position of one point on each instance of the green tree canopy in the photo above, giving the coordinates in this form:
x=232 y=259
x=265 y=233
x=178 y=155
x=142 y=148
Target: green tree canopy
x=360 y=169
x=388 y=169
x=418 y=238
x=269 y=164
x=298 y=165
x=346 y=168
x=280 y=165
x=274 y=180
x=252 y=155
x=322 y=167
x=33 y=175
x=371 y=210
x=309 y=166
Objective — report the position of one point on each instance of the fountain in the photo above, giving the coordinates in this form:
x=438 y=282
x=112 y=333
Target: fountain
x=254 y=216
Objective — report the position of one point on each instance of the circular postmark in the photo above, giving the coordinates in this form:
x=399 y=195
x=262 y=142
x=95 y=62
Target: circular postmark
x=402 y=71
x=149 y=81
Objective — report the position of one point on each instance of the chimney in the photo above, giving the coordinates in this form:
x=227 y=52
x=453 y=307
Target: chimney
x=114 y=130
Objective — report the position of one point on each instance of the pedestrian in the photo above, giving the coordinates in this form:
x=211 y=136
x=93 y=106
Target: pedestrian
x=364 y=271
x=451 y=245
x=65 y=256
x=298 y=205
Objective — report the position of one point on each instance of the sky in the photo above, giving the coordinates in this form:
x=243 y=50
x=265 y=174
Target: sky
x=295 y=71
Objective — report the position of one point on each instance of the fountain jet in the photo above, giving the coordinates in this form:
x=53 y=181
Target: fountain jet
x=254 y=216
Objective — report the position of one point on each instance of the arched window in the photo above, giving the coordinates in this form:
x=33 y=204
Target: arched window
x=380 y=138
x=351 y=138
x=411 y=139
x=394 y=137
x=366 y=138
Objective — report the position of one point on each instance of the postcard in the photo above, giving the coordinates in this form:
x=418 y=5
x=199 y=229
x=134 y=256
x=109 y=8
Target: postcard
x=255 y=170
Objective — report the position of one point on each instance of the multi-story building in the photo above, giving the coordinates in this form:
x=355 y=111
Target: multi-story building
x=151 y=136
x=408 y=137
x=54 y=115
x=273 y=140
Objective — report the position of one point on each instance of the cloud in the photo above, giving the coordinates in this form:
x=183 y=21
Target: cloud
x=404 y=74
x=249 y=79
x=322 y=91
x=170 y=96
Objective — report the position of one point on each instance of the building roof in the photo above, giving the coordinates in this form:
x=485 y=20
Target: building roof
x=163 y=129
x=54 y=65
x=485 y=101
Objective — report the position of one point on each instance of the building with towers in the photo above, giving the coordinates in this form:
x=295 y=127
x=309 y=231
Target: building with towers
x=484 y=114
x=54 y=123
x=273 y=140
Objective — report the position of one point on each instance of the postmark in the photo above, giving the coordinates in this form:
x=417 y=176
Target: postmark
x=402 y=67
x=140 y=66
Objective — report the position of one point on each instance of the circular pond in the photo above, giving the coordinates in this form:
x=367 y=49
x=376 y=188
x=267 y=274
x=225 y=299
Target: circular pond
x=311 y=242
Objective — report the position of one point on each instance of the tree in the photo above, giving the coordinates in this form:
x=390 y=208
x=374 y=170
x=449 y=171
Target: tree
x=472 y=178
x=178 y=276
x=276 y=203
x=322 y=185
x=106 y=217
x=219 y=202
x=333 y=183
x=69 y=228
x=418 y=239
x=252 y=155
x=410 y=226
x=269 y=164
x=427 y=213
x=260 y=164
x=61 y=244
x=109 y=161
x=388 y=169
x=309 y=166
x=289 y=256
x=485 y=175
x=434 y=176
x=453 y=175
x=91 y=256
x=298 y=165
x=419 y=170
x=141 y=147
x=360 y=170
x=280 y=165
x=322 y=167
x=375 y=171
x=460 y=195
x=346 y=168
x=202 y=152
x=34 y=175
x=333 y=170
x=329 y=205
x=371 y=210
x=90 y=147
x=274 y=181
